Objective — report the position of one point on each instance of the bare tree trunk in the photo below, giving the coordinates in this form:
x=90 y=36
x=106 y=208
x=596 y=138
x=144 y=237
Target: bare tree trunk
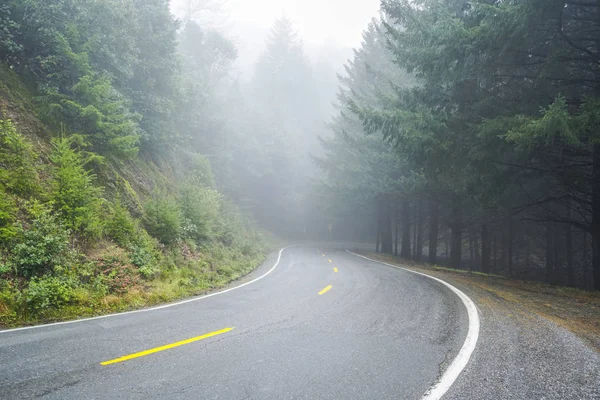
x=456 y=246
x=527 y=247
x=396 y=223
x=549 y=252
x=414 y=236
x=405 y=251
x=509 y=240
x=494 y=253
x=377 y=246
x=558 y=253
x=446 y=247
x=485 y=248
x=569 y=249
x=471 y=247
x=476 y=246
x=420 y=225
x=504 y=245
x=386 y=231
x=433 y=232
x=588 y=273
x=596 y=218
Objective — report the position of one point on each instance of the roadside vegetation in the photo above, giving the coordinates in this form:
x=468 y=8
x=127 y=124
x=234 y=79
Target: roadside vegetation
x=70 y=250
x=106 y=201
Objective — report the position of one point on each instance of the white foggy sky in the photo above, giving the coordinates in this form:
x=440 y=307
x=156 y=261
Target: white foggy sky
x=317 y=21
x=329 y=29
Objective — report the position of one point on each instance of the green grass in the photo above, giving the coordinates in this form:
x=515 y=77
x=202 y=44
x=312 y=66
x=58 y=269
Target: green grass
x=194 y=278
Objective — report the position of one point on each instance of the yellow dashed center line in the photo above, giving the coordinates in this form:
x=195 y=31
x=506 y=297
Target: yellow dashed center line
x=166 y=347
x=323 y=255
x=325 y=290
x=330 y=261
x=335 y=270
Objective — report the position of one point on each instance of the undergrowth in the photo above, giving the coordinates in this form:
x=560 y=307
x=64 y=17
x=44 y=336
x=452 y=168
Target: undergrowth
x=71 y=248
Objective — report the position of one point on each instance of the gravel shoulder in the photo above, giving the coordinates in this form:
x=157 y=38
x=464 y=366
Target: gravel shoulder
x=536 y=341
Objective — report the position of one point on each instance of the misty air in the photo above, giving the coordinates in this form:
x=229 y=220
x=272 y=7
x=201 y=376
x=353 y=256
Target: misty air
x=300 y=199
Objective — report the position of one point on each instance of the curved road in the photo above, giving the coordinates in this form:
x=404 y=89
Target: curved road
x=376 y=333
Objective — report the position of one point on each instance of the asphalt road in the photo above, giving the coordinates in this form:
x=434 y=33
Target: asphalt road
x=376 y=333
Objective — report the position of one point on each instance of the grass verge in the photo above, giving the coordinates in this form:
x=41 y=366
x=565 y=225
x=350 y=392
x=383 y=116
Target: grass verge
x=182 y=275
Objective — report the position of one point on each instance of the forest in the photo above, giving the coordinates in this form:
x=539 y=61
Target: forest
x=468 y=135
x=137 y=165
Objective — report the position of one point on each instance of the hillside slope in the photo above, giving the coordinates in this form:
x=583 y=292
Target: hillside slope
x=83 y=234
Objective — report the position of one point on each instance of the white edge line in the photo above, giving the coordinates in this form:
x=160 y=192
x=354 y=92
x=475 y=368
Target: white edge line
x=153 y=308
x=441 y=386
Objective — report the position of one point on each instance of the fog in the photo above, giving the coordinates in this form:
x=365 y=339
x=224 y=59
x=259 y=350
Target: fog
x=325 y=123
x=272 y=68
x=336 y=22
x=329 y=30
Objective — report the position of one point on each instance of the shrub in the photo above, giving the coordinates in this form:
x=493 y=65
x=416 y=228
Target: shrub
x=200 y=209
x=74 y=194
x=162 y=219
x=18 y=174
x=144 y=255
x=119 y=275
x=119 y=226
x=48 y=292
x=8 y=210
x=42 y=244
x=9 y=300
x=230 y=226
x=200 y=173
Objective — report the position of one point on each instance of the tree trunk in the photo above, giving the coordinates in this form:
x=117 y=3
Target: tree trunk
x=405 y=252
x=485 y=248
x=456 y=245
x=558 y=254
x=420 y=225
x=509 y=240
x=549 y=252
x=433 y=232
x=386 y=230
x=396 y=231
x=494 y=252
x=471 y=247
x=527 y=249
x=596 y=218
x=569 y=249
x=588 y=273
x=414 y=236
x=378 y=239
x=477 y=249
x=446 y=247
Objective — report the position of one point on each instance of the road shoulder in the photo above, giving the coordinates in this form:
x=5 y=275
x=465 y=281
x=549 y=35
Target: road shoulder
x=536 y=341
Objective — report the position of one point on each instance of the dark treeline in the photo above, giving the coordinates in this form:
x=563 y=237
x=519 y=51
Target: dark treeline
x=468 y=134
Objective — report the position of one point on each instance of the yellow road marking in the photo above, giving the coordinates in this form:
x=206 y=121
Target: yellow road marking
x=323 y=255
x=335 y=270
x=325 y=290
x=330 y=261
x=166 y=347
